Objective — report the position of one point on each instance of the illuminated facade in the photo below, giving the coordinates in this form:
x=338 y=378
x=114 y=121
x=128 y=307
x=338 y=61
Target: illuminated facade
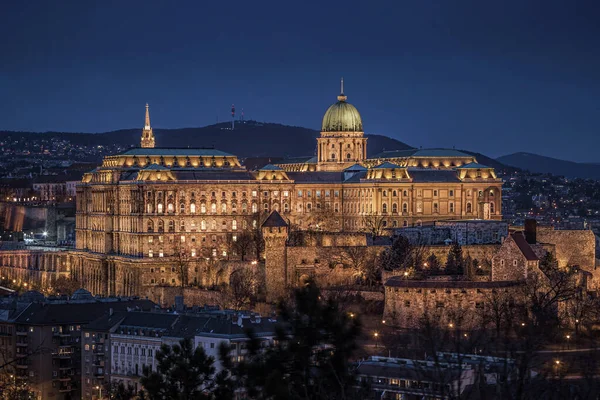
x=149 y=205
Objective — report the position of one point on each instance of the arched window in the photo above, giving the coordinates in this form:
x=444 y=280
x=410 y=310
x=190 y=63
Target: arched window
x=182 y=208
x=491 y=193
x=348 y=156
x=394 y=208
x=435 y=207
x=385 y=193
x=404 y=207
x=213 y=225
x=254 y=207
x=333 y=156
x=182 y=226
x=203 y=225
x=384 y=208
x=223 y=207
x=213 y=208
x=451 y=207
x=203 y=208
x=394 y=193
x=405 y=193
x=161 y=226
x=244 y=207
x=171 y=226
x=159 y=208
x=234 y=225
x=469 y=208
x=150 y=226
x=286 y=207
x=193 y=208
x=492 y=207
x=170 y=207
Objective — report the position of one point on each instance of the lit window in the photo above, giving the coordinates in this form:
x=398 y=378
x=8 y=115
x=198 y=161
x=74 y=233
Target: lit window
x=213 y=208
x=193 y=252
x=150 y=253
x=203 y=208
x=182 y=239
x=234 y=225
x=160 y=253
x=193 y=208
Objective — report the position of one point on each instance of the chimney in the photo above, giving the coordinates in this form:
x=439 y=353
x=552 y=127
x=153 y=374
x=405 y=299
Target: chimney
x=531 y=231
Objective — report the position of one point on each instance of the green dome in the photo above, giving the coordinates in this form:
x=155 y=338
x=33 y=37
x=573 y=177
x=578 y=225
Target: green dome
x=342 y=117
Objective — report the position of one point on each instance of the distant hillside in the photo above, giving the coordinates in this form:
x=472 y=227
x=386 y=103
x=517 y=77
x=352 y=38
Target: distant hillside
x=248 y=139
x=490 y=162
x=542 y=164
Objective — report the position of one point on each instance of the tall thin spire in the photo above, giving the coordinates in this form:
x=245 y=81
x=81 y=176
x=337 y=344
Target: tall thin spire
x=147 y=122
x=342 y=96
x=147 y=135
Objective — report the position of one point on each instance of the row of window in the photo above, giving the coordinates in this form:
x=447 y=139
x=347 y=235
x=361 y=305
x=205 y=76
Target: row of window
x=193 y=227
x=265 y=193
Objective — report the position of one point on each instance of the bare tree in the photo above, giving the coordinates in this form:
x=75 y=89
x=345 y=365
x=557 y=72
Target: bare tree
x=242 y=287
x=373 y=224
x=243 y=244
x=183 y=260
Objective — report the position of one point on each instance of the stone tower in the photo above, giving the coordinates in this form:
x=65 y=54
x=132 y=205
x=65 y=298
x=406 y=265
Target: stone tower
x=275 y=233
x=342 y=142
x=147 y=135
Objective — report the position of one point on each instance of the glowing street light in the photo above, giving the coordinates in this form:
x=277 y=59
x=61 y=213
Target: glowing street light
x=376 y=335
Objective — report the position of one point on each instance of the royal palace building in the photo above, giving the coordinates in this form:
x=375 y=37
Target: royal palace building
x=151 y=204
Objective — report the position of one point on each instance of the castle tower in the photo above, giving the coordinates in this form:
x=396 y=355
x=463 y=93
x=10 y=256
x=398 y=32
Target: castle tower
x=275 y=233
x=342 y=142
x=147 y=135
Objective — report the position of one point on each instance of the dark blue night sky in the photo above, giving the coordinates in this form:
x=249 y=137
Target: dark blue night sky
x=495 y=77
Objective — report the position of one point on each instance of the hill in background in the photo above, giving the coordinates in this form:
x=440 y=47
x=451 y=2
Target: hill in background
x=549 y=165
x=249 y=139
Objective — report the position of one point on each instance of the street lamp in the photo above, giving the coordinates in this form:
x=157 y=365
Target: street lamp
x=376 y=334
x=568 y=341
x=99 y=389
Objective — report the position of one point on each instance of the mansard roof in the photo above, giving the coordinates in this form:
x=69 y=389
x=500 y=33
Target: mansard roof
x=473 y=165
x=435 y=152
x=386 y=165
x=270 y=167
x=172 y=151
x=355 y=168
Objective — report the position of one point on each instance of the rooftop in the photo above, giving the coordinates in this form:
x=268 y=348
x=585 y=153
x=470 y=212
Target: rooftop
x=171 y=151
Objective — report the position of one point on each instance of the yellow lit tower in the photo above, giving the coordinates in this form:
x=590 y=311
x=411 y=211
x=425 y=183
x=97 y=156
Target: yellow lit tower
x=342 y=142
x=147 y=135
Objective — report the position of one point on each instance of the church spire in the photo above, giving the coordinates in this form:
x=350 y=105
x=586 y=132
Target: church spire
x=147 y=122
x=147 y=135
